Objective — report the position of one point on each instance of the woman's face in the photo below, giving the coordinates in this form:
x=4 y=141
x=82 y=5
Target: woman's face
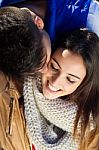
x=65 y=73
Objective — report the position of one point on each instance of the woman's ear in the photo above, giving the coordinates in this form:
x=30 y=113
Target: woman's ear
x=39 y=22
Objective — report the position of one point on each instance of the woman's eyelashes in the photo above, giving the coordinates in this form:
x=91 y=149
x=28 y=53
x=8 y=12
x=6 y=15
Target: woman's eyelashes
x=70 y=80
x=53 y=67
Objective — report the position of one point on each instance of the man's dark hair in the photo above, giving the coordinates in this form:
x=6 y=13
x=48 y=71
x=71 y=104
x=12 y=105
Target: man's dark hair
x=21 y=48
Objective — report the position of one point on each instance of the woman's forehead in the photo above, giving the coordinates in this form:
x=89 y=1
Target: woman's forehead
x=69 y=62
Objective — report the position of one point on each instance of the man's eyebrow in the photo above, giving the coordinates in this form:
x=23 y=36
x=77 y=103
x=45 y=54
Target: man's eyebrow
x=74 y=76
x=56 y=62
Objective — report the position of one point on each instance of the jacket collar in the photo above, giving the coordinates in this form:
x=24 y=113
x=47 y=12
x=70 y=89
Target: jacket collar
x=6 y=83
x=3 y=82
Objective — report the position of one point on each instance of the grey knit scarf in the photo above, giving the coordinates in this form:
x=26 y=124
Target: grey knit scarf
x=42 y=115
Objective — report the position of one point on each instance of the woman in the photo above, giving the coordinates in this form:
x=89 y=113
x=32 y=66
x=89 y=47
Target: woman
x=24 y=50
x=62 y=105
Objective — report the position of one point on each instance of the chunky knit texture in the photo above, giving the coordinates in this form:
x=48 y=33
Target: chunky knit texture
x=42 y=115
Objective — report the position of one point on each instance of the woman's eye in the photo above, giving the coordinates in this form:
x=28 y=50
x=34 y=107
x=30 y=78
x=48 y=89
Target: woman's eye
x=53 y=67
x=71 y=81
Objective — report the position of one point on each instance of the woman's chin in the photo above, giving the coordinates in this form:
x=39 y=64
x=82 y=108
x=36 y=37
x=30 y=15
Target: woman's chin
x=50 y=95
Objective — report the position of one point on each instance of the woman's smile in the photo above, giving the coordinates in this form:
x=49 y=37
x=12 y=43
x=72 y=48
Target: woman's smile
x=52 y=89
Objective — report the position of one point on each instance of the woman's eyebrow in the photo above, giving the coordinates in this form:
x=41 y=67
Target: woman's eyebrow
x=56 y=62
x=74 y=76
x=68 y=73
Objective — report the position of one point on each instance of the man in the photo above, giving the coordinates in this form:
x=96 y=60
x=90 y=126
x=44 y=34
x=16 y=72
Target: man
x=24 y=50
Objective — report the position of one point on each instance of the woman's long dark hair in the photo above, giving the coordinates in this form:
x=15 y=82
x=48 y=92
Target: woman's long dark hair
x=86 y=96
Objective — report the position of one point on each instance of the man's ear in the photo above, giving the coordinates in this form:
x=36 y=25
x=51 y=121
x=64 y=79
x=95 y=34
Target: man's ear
x=39 y=22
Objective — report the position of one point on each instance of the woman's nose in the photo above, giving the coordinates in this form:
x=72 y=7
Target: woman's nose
x=57 y=81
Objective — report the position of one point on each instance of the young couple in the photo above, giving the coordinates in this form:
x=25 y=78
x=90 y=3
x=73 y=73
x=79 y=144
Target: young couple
x=51 y=104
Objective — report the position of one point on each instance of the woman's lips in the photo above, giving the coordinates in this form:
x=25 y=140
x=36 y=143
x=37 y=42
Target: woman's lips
x=52 y=88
